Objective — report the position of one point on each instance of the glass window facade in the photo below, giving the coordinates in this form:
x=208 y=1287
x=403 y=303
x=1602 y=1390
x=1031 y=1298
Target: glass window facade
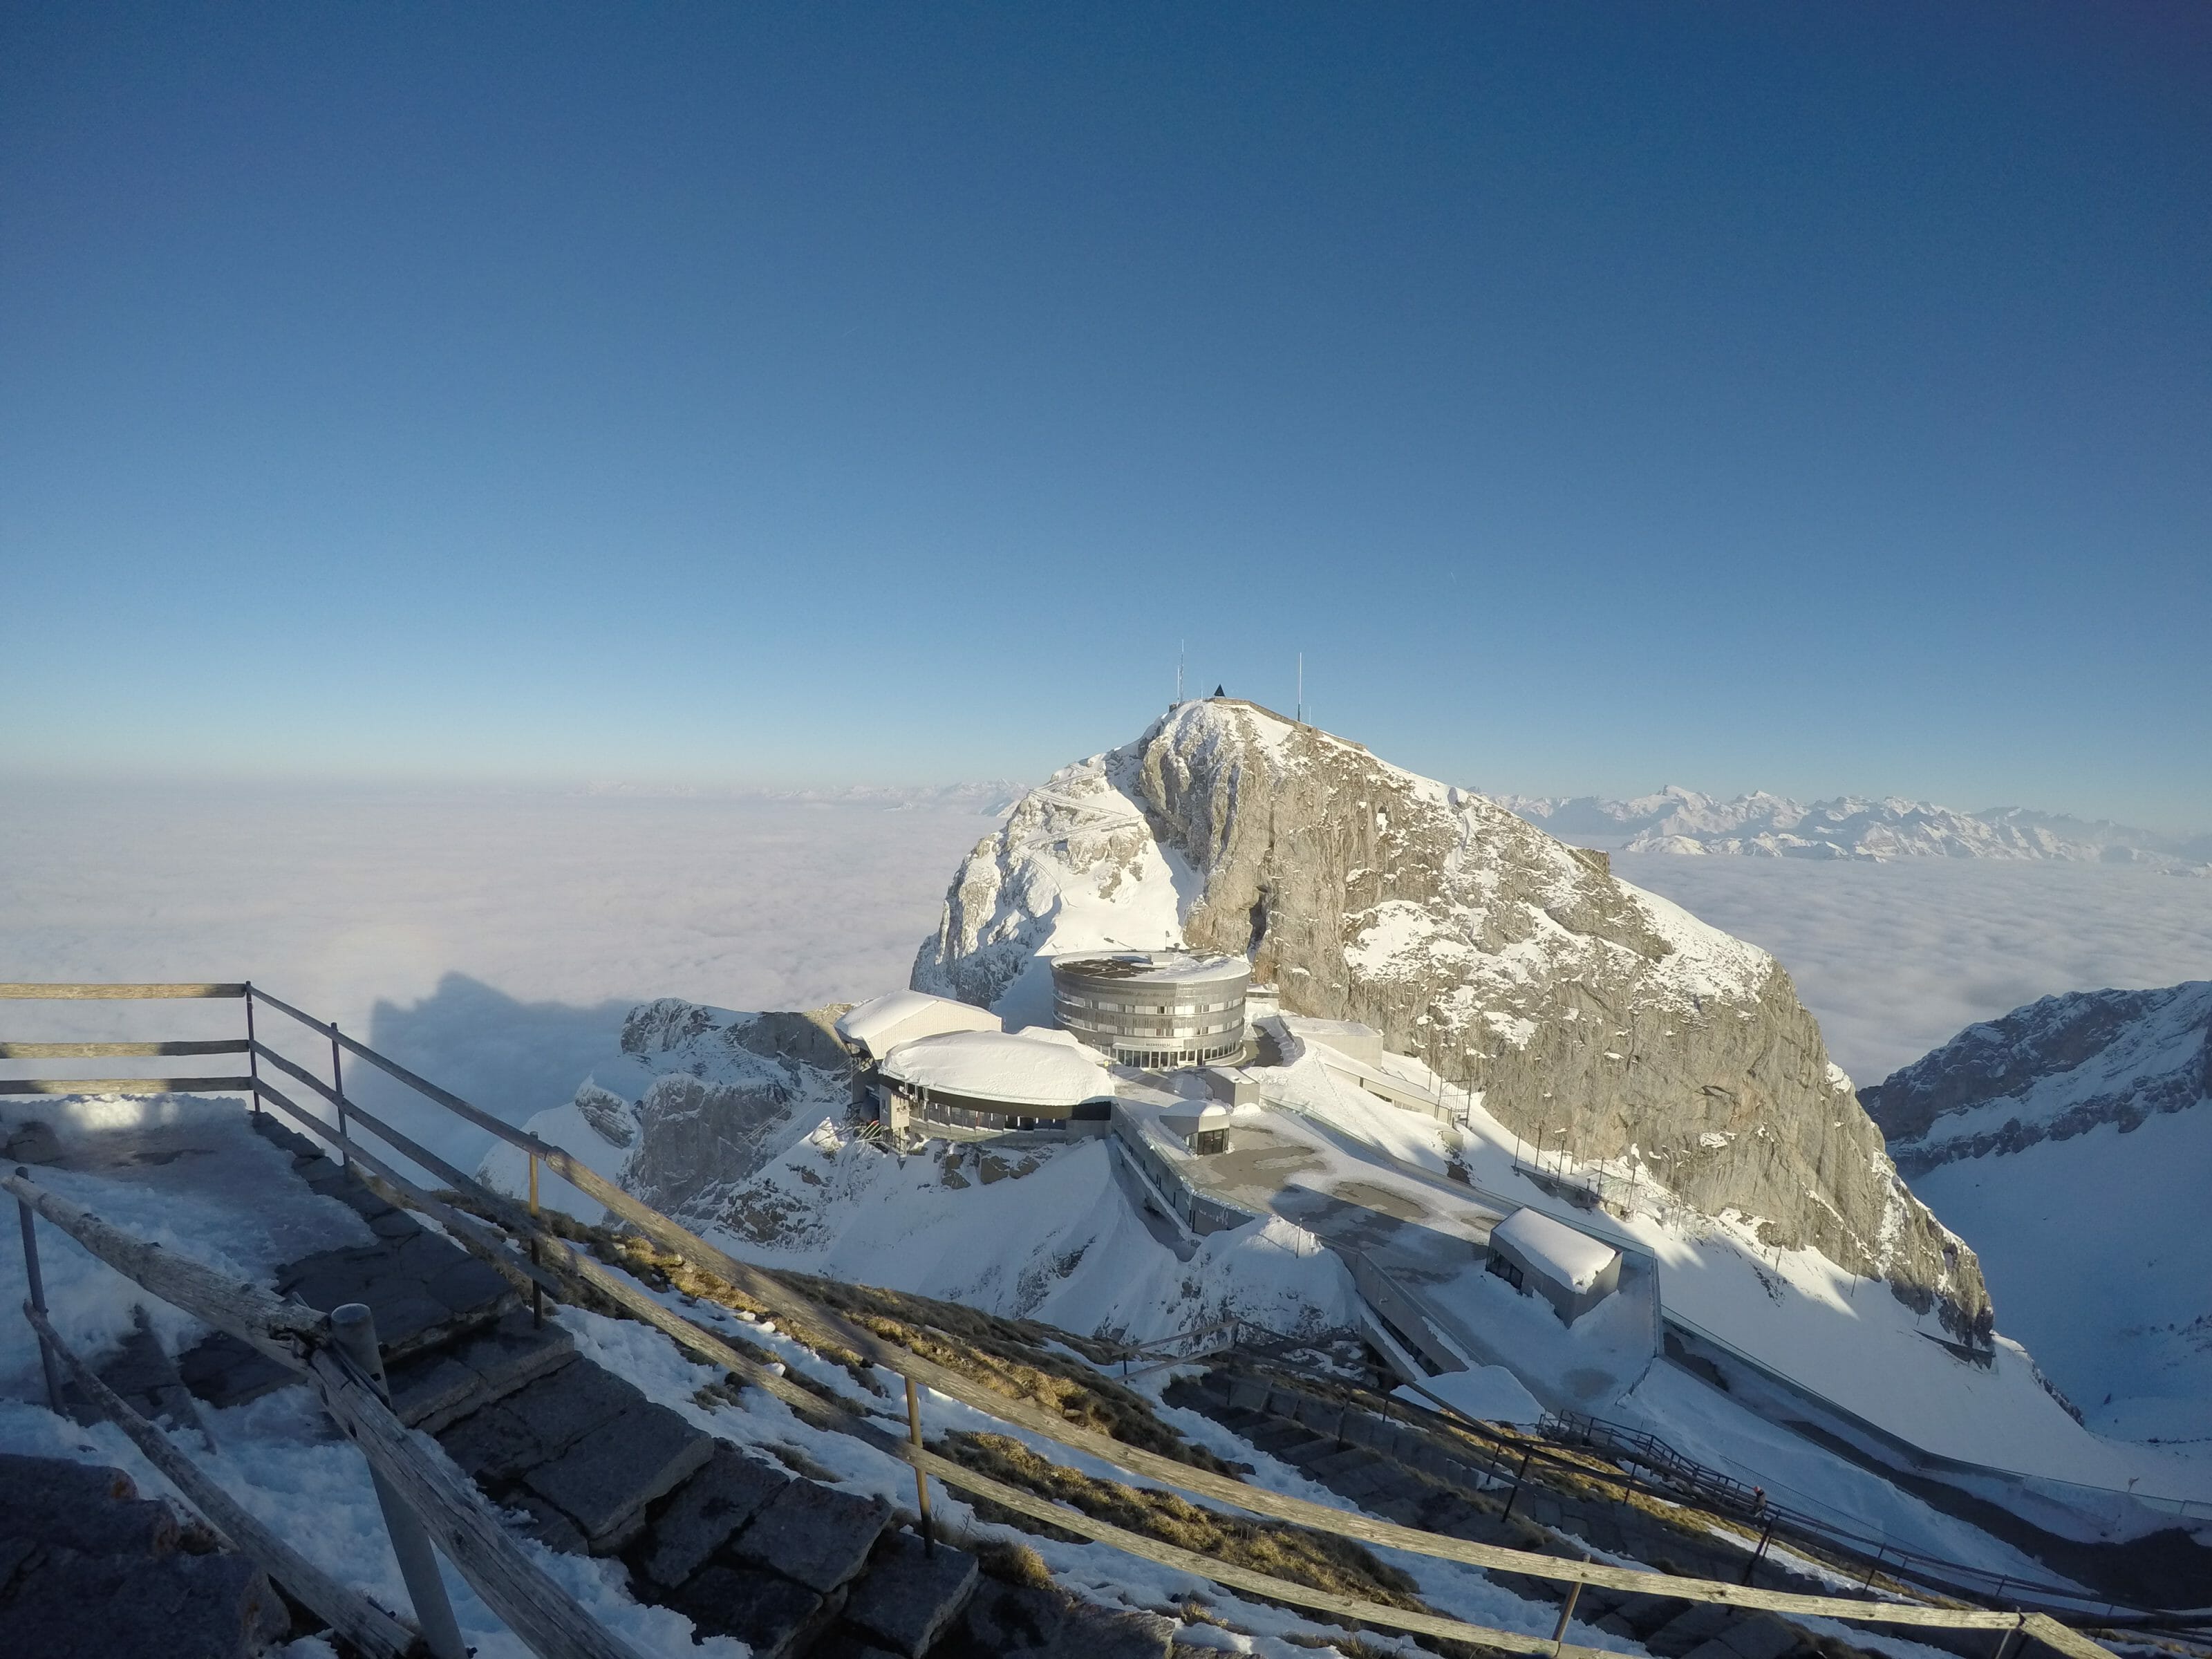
x=1159 y=1010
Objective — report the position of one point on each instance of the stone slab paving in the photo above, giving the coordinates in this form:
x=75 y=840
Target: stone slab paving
x=911 y=1593
x=145 y=1375
x=604 y=1482
x=770 y=1614
x=424 y=1290
x=90 y=1571
x=433 y=1390
x=706 y=1513
x=813 y=1534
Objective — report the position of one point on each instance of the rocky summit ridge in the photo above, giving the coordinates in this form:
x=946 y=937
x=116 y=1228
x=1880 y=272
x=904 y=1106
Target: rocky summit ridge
x=1578 y=1008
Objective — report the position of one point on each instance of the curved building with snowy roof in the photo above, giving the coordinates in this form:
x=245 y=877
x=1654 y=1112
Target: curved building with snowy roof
x=873 y=1029
x=994 y=1079
x=1156 y=1009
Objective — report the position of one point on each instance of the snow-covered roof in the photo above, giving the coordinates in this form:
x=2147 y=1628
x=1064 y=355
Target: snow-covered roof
x=881 y=1023
x=1021 y=1069
x=1574 y=1259
x=1151 y=967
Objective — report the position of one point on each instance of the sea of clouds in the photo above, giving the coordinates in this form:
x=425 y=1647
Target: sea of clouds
x=493 y=941
x=1895 y=958
x=490 y=941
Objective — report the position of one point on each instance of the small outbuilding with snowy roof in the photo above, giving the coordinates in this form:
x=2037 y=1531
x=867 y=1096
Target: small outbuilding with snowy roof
x=1569 y=1269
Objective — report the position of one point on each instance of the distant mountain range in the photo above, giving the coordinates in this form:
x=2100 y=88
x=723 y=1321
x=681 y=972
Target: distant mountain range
x=1760 y=825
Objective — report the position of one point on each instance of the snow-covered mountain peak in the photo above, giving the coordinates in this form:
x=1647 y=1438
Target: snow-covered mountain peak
x=1574 y=1005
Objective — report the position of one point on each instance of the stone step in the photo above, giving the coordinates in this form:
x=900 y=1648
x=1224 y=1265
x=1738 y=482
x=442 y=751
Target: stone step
x=430 y=1391
x=81 y=1506
x=605 y=1481
x=773 y=1616
x=90 y=1571
x=705 y=1513
x=580 y=1450
x=1757 y=1635
x=1278 y=1433
x=424 y=1290
x=813 y=1534
x=909 y=1595
x=222 y=1371
x=1697 y=1624
x=145 y=1375
x=67 y=1605
x=1344 y=1464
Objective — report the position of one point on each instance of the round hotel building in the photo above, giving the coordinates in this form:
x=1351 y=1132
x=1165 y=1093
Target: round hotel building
x=1156 y=1009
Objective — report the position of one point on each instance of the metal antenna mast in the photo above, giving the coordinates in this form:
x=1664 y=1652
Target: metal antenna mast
x=1301 y=688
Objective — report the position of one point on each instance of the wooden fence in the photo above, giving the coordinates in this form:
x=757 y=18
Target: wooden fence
x=461 y=1515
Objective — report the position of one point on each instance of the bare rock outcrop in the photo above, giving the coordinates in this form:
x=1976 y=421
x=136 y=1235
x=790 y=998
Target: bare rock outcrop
x=719 y=1091
x=2053 y=1070
x=1584 y=1011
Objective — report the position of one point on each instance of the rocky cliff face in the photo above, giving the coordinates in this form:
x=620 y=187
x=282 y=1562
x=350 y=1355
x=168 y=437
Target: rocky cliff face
x=1580 y=1007
x=708 y=1096
x=2050 y=1070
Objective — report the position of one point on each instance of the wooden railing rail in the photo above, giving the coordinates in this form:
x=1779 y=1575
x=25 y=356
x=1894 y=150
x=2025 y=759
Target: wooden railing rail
x=126 y=1086
x=458 y=1516
x=821 y=1326
x=116 y=992
x=118 y=1050
x=346 y=1610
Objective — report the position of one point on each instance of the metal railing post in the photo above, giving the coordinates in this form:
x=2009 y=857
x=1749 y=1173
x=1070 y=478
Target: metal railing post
x=253 y=1059
x=1759 y=1555
x=1866 y=1586
x=338 y=1092
x=38 y=1297
x=1513 y=1496
x=921 y=1480
x=354 y=1328
x=537 y=1290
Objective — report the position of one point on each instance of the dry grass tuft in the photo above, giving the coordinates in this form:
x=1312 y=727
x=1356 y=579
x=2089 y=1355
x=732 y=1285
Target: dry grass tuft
x=1312 y=1559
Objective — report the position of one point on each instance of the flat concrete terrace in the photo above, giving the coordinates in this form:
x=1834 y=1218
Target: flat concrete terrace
x=1426 y=1239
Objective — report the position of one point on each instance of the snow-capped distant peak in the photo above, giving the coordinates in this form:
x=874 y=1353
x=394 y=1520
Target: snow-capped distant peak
x=1761 y=825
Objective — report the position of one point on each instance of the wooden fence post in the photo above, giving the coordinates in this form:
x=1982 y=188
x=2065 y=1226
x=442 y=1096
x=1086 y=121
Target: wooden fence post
x=1559 y=1635
x=921 y=1480
x=353 y=1328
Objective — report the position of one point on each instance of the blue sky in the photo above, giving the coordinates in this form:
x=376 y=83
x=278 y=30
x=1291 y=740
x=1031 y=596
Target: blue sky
x=1813 y=397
